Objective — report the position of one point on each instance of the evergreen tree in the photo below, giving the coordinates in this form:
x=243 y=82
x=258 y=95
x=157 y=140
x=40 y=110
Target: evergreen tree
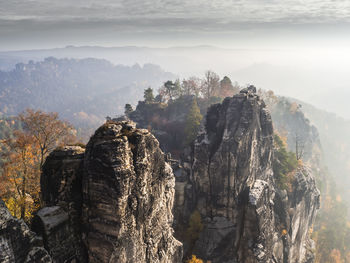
x=148 y=95
x=193 y=122
x=128 y=109
x=226 y=88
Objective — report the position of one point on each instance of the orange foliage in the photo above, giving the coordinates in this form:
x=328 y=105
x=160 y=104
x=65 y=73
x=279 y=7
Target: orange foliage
x=335 y=256
x=47 y=130
x=24 y=154
x=21 y=175
x=194 y=259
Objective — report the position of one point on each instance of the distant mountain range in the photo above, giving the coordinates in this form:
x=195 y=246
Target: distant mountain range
x=286 y=72
x=82 y=91
x=126 y=55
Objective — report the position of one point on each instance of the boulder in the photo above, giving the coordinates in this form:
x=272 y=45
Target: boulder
x=17 y=242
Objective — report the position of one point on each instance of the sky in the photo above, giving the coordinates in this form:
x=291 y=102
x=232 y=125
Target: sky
x=298 y=48
x=160 y=23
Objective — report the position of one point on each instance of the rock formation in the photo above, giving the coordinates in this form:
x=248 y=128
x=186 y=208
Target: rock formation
x=17 y=242
x=128 y=192
x=59 y=222
x=112 y=203
x=231 y=184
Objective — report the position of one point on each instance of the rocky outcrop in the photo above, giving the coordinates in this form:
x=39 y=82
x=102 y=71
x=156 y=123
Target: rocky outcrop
x=17 y=242
x=231 y=184
x=295 y=213
x=59 y=222
x=128 y=198
x=110 y=203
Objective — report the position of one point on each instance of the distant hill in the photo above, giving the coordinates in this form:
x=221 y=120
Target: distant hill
x=82 y=91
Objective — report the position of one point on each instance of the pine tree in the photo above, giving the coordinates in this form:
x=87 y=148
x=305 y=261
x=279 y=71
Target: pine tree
x=193 y=122
x=128 y=109
x=148 y=95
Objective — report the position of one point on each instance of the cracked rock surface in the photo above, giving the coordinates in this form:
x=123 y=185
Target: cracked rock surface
x=230 y=183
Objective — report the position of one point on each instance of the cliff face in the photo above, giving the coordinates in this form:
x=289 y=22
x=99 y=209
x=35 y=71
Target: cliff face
x=128 y=192
x=59 y=222
x=295 y=213
x=111 y=203
x=17 y=242
x=231 y=184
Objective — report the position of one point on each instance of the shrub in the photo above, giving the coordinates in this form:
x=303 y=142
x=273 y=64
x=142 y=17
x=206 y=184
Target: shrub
x=194 y=259
x=284 y=164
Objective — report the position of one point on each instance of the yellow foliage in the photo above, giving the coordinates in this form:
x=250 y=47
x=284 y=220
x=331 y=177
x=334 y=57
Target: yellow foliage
x=284 y=232
x=194 y=259
x=24 y=154
x=335 y=256
x=311 y=230
x=21 y=176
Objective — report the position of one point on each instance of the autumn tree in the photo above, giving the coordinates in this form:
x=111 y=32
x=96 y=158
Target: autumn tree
x=210 y=85
x=20 y=177
x=193 y=122
x=191 y=86
x=23 y=157
x=335 y=257
x=47 y=130
x=194 y=259
x=148 y=95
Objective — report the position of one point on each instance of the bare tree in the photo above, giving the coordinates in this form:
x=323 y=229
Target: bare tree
x=299 y=146
x=211 y=84
x=191 y=86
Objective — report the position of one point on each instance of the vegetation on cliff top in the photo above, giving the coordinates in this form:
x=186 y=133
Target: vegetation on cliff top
x=175 y=114
x=284 y=164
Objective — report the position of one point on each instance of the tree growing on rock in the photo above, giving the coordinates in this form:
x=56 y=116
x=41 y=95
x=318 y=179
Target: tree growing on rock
x=148 y=95
x=191 y=86
x=128 y=109
x=193 y=122
x=227 y=89
x=284 y=164
x=210 y=85
x=170 y=90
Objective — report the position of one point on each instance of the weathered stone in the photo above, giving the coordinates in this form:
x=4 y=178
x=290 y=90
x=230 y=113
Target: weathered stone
x=59 y=223
x=231 y=183
x=17 y=242
x=128 y=197
x=297 y=216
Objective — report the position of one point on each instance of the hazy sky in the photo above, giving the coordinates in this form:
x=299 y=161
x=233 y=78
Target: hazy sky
x=226 y=23
x=299 y=48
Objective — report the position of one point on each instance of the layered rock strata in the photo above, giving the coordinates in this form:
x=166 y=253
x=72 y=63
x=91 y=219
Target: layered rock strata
x=128 y=192
x=17 y=242
x=110 y=203
x=231 y=184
